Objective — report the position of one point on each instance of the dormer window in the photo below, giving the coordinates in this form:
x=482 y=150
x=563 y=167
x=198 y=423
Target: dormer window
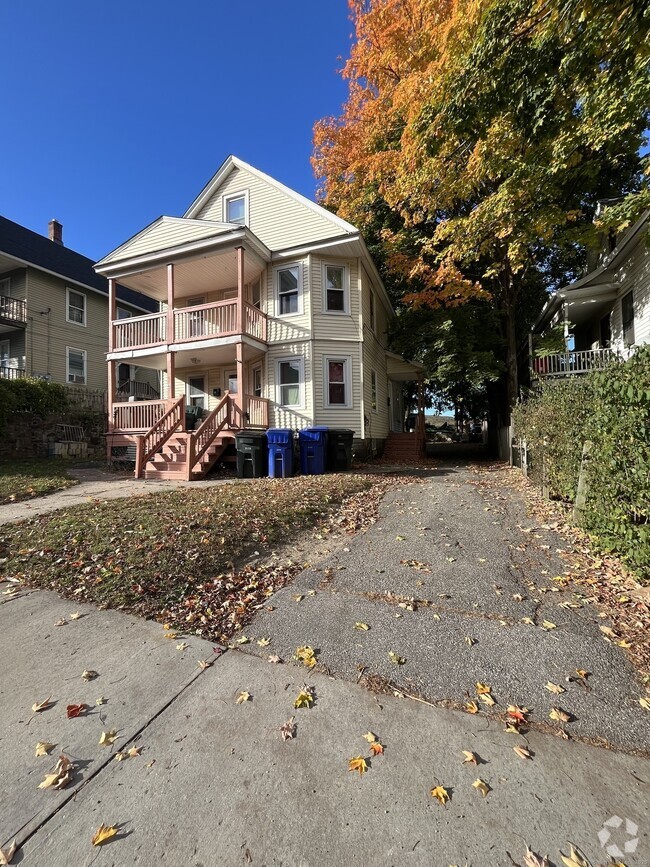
x=235 y=208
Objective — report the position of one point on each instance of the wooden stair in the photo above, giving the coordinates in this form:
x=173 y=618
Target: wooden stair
x=171 y=461
x=403 y=447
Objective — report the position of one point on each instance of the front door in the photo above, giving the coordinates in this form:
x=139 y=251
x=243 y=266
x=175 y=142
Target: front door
x=196 y=391
x=231 y=381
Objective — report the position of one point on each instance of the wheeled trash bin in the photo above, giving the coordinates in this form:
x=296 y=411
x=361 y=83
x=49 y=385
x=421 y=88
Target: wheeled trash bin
x=251 y=454
x=280 y=452
x=313 y=445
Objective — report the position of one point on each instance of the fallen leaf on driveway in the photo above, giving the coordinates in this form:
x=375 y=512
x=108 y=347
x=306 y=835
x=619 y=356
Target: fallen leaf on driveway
x=359 y=625
x=89 y=675
x=533 y=860
x=134 y=752
x=304 y=698
x=242 y=640
x=182 y=646
x=582 y=673
x=274 y=658
x=644 y=703
x=487 y=699
x=482 y=688
x=609 y=632
x=440 y=794
x=41 y=705
x=288 y=730
x=560 y=715
x=50 y=780
x=43 y=748
x=528 y=620
x=263 y=642
x=61 y=776
x=107 y=739
x=394 y=658
x=204 y=663
x=74 y=710
x=470 y=758
x=471 y=707
x=61 y=622
x=522 y=752
x=358 y=764
x=547 y=625
x=574 y=858
x=100 y=701
x=5 y=857
x=370 y=737
x=554 y=687
x=103 y=833
x=119 y=757
x=482 y=787
x=470 y=641
x=242 y=697
x=75 y=615
x=376 y=748
x=517 y=713
x=307 y=655
x=298 y=598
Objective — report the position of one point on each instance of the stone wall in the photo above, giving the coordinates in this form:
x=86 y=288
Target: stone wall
x=27 y=435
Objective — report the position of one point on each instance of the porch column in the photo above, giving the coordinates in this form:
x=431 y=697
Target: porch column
x=112 y=314
x=240 y=291
x=111 y=393
x=240 y=402
x=171 y=376
x=171 y=361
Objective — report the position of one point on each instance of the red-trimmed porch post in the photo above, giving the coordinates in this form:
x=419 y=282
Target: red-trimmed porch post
x=241 y=397
x=240 y=290
x=112 y=313
x=171 y=361
x=239 y=348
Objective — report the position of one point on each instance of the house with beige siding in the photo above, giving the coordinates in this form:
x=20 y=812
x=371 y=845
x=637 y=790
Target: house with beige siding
x=272 y=314
x=53 y=311
x=603 y=315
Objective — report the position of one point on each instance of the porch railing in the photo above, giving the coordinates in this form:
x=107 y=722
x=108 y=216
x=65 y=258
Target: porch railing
x=13 y=309
x=257 y=410
x=254 y=322
x=134 y=388
x=139 y=415
x=200 y=440
x=156 y=437
x=205 y=320
x=12 y=373
x=571 y=363
x=140 y=331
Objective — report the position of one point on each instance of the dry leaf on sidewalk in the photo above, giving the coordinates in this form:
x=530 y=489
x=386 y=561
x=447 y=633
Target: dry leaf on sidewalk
x=41 y=705
x=358 y=764
x=103 y=833
x=6 y=856
x=440 y=794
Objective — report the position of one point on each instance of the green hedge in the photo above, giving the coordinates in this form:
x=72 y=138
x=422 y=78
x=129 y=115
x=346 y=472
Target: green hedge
x=30 y=395
x=612 y=409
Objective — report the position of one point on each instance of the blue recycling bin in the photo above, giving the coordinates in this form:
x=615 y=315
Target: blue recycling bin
x=313 y=450
x=280 y=452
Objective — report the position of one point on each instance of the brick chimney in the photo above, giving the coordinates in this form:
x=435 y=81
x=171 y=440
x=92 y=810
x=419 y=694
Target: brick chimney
x=55 y=232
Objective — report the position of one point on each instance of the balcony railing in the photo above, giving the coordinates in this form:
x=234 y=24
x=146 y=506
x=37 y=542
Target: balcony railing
x=12 y=373
x=13 y=310
x=571 y=363
x=202 y=322
x=139 y=415
x=257 y=411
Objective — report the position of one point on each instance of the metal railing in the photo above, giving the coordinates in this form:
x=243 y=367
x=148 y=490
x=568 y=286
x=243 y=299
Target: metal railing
x=12 y=309
x=571 y=363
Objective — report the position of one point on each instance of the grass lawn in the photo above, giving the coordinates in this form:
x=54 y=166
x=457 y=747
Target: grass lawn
x=180 y=555
x=22 y=479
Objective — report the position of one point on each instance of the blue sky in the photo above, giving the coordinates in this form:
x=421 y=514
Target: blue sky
x=115 y=113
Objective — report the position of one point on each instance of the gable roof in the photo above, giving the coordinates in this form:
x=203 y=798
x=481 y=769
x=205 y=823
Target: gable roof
x=233 y=162
x=30 y=248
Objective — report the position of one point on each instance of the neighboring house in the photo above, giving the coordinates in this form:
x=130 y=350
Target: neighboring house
x=272 y=315
x=53 y=309
x=604 y=314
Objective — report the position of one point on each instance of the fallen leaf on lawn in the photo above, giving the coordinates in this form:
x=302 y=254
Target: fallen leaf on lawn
x=167 y=626
x=88 y=674
x=574 y=858
x=487 y=699
x=394 y=658
x=358 y=764
x=470 y=758
x=75 y=615
x=644 y=703
x=5 y=857
x=482 y=787
x=376 y=748
x=41 y=705
x=103 y=833
x=607 y=630
x=560 y=715
x=43 y=748
x=74 y=710
x=546 y=624
x=288 y=730
x=263 y=642
x=623 y=643
x=522 y=752
x=359 y=625
x=242 y=697
x=134 y=752
x=307 y=655
x=533 y=860
x=482 y=688
x=274 y=658
x=182 y=646
x=471 y=707
x=554 y=687
x=108 y=738
x=304 y=698
x=440 y=794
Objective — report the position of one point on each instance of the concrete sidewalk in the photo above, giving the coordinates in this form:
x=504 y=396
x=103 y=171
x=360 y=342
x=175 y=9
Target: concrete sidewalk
x=215 y=784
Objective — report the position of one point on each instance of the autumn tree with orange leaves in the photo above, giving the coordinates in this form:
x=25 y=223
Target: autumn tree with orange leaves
x=476 y=139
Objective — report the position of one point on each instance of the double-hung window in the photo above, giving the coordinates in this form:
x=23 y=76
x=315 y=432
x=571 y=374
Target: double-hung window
x=76 y=365
x=627 y=312
x=336 y=290
x=373 y=390
x=373 y=317
x=76 y=307
x=235 y=209
x=5 y=286
x=337 y=382
x=288 y=290
x=290 y=380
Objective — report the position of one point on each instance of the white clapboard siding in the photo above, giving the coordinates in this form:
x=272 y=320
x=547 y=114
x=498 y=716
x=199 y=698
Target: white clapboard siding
x=163 y=233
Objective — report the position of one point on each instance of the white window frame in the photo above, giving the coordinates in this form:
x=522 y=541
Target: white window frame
x=276 y=283
x=346 y=289
x=5 y=361
x=84 y=355
x=5 y=286
x=230 y=197
x=347 y=381
x=301 y=382
x=374 y=391
x=68 y=290
x=126 y=314
x=372 y=317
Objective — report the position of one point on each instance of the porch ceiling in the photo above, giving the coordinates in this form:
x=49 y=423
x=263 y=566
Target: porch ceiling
x=400 y=370
x=191 y=357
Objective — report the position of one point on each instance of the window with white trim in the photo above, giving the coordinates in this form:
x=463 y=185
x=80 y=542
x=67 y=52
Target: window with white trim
x=123 y=313
x=373 y=390
x=288 y=290
x=75 y=307
x=5 y=286
x=76 y=365
x=235 y=208
x=5 y=353
x=290 y=382
x=627 y=317
x=372 y=311
x=338 y=392
x=335 y=285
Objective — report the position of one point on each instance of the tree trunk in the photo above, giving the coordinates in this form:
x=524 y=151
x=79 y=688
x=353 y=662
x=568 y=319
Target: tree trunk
x=509 y=310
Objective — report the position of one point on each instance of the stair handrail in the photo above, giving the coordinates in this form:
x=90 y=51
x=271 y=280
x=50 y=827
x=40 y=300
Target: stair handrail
x=201 y=439
x=157 y=435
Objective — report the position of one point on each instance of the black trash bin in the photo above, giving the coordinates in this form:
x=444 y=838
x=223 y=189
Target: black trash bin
x=252 y=460
x=339 y=449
